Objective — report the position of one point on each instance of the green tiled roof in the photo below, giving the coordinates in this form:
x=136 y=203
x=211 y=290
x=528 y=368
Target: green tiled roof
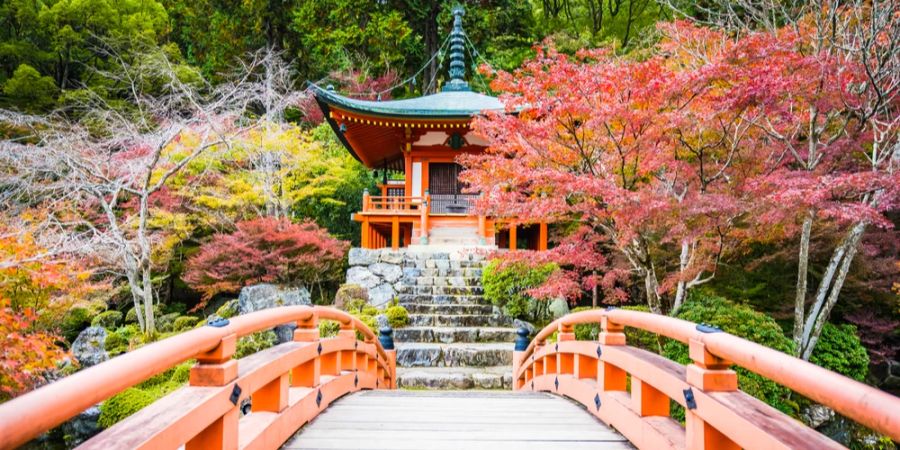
x=447 y=104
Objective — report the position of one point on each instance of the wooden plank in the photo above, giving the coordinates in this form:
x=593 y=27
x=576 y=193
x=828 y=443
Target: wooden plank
x=453 y=420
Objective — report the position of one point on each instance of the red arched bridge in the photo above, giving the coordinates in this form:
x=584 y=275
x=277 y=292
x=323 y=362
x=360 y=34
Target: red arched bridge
x=627 y=388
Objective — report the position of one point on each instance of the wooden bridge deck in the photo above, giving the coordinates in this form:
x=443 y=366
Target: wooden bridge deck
x=455 y=420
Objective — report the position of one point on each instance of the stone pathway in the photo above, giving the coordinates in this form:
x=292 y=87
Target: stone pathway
x=454 y=340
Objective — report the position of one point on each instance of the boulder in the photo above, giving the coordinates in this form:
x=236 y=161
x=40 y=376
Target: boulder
x=816 y=415
x=388 y=272
x=362 y=276
x=391 y=257
x=382 y=294
x=265 y=296
x=524 y=324
x=89 y=347
x=362 y=257
x=558 y=307
x=285 y=333
x=82 y=427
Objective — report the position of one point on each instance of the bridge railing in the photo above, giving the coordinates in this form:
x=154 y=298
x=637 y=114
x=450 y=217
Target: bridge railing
x=630 y=388
x=289 y=383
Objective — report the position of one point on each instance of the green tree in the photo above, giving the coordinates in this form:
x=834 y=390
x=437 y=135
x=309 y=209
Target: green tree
x=30 y=91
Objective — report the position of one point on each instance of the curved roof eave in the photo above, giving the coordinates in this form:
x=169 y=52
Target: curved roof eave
x=442 y=105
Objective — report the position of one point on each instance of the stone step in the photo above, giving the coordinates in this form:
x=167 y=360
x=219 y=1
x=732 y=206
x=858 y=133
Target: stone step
x=446 y=309
x=448 y=281
x=454 y=355
x=411 y=273
x=455 y=377
x=455 y=334
x=459 y=320
x=443 y=299
x=446 y=290
x=445 y=264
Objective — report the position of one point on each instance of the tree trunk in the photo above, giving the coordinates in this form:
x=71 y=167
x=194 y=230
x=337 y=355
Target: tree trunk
x=681 y=288
x=594 y=291
x=432 y=43
x=802 y=272
x=847 y=250
x=652 y=286
x=137 y=296
x=147 y=281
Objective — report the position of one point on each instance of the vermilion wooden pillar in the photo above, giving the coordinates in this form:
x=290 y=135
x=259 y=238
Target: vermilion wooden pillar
x=395 y=233
x=542 y=236
x=512 y=236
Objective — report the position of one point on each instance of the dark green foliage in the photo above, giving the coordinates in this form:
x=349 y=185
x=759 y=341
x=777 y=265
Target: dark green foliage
x=505 y=286
x=75 y=320
x=840 y=350
x=741 y=321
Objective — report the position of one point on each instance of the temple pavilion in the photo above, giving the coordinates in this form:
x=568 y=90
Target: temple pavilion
x=420 y=139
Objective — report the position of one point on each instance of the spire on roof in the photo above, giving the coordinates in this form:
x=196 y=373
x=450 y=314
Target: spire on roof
x=457 y=54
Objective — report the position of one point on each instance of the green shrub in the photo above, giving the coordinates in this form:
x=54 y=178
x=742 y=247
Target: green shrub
x=131 y=315
x=74 y=321
x=328 y=328
x=348 y=294
x=116 y=344
x=122 y=405
x=185 y=323
x=165 y=322
x=255 y=342
x=506 y=288
x=840 y=350
x=107 y=319
x=131 y=400
x=744 y=322
x=586 y=331
x=397 y=316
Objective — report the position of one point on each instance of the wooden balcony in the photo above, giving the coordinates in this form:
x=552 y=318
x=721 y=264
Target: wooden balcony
x=392 y=205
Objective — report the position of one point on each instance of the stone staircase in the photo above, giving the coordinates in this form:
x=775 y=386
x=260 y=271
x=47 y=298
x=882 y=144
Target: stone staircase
x=455 y=339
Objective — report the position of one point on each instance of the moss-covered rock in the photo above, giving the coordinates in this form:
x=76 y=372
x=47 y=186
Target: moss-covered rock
x=107 y=319
x=185 y=323
x=228 y=309
x=165 y=322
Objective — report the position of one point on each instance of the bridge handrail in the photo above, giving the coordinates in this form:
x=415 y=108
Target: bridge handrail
x=864 y=404
x=25 y=417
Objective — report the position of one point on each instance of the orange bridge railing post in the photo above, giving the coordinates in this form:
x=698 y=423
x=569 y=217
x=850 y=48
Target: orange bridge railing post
x=708 y=373
x=610 y=377
x=307 y=374
x=216 y=368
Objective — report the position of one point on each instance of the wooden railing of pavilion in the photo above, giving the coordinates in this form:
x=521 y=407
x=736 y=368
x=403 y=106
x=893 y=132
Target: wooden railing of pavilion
x=630 y=388
x=290 y=384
